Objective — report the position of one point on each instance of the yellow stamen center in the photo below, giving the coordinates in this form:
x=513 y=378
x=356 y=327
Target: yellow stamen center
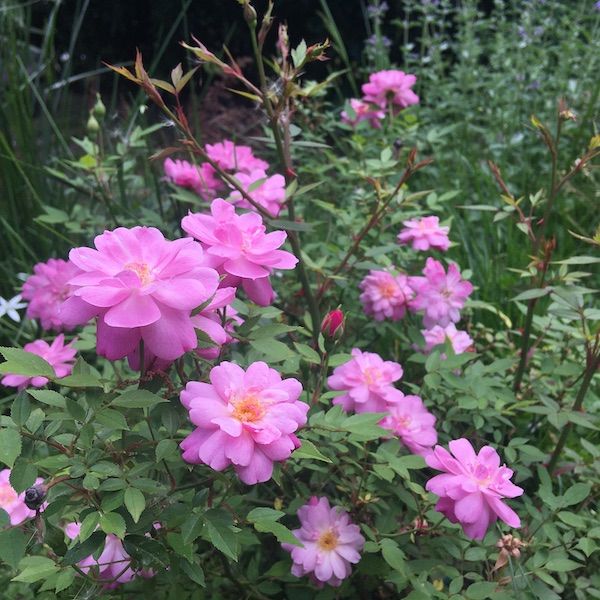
x=388 y=290
x=142 y=270
x=248 y=409
x=328 y=540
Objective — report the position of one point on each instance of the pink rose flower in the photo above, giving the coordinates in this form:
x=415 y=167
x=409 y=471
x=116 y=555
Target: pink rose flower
x=113 y=566
x=233 y=157
x=141 y=287
x=385 y=296
x=368 y=382
x=461 y=341
x=46 y=290
x=243 y=418
x=201 y=179
x=439 y=295
x=59 y=355
x=363 y=111
x=413 y=424
x=472 y=487
x=238 y=246
x=390 y=86
x=13 y=503
x=331 y=543
x=425 y=233
x=270 y=194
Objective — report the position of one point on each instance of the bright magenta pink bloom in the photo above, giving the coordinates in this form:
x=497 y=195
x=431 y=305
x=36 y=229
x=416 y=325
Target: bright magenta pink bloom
x=390 y=86
x=232 y=157
x=425 y=233
x=368 y=382
x=201 y=179
x=238 y=246
x=243 y=418
x=13 y=503
x=439 y=295
x=141 y=287
x=113 y=566
x=331 y=543
x=413 y=424
x=47 y=289
x=332 y=324
x=461 y=341
x=363 y=111
x=270 y=194
x=385 y=296
x=60 y=356
x=472 y=487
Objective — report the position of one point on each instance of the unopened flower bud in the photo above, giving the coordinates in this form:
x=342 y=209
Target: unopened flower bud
x=333 y=323
x=93 y=127
x=35 y=496
x=249 y=13
x=99 y=110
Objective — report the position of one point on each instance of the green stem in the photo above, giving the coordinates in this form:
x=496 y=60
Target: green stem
x=590 y=371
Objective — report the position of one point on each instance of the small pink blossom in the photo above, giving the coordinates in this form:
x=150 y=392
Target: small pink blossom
x=270 y=194
x=413 y=424
x=13 y=503
x=46 y=290
x=233 y=157
x=425 y=233
x=391 y=86
x=472 y=487
x=461 y=341
x=59 y=355
x=331 y=543
x=385 y=296
x=363 y=111
x=243 y=418
x=332 y=324
x=201 y=179
x=441 y=296
x=368 y=382
x=239 y=247
x=113 y=566
x=140 y=287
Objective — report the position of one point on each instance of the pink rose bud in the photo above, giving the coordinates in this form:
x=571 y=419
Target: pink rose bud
x=333 y=323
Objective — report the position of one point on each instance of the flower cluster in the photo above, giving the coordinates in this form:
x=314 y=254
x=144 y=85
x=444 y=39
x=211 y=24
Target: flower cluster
x=13 y=503
x=243 y=418
x=386 y=91
x=59 y=355
x=330 y=543
x=472 y=487
x=238 y=161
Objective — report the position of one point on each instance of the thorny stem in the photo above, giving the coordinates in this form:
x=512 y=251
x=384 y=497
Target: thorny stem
x=284 y=153
x=592 y=366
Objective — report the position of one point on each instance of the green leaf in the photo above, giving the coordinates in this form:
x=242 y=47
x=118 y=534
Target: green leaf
x=49 y=397
x=80 y=380
x=193 y=571
x=20 y=410
x=275 y=350
x=364 y=426
x=309 y=450
x=265 y=521
x=22 y=475
x=221 y=532
x=35 y=568
x=13 y=543
x=113 y=419
x=10 y=446
x=22 y=362
x=481 y=590
x=147 y=550
x=562 y=565
x=308 y=354
x=393 y=556
x=165 y=448
x=137 y=399
x=531 y=294
x=112 y=522
x=576 y=493
x=192 y=527
x=89 y=525
x=82 y=549
x=64 y=580
x=135 y=503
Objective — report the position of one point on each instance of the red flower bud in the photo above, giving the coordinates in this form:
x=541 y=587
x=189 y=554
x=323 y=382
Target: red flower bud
x=333 y=323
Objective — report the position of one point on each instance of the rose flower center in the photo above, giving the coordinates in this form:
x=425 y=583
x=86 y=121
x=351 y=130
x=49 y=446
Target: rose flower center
x=249 y=409
x=142 y=270
x=328 y=540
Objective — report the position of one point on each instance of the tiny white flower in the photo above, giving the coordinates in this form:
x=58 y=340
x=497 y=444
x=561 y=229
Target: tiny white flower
x=10 y=307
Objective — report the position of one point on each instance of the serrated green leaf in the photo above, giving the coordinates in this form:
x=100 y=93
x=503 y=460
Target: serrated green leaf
x=13 y=543
x=82 y=549
x=137 y=399
x=221 y=532
x=10 y=446
x=22 y=362
x=135 y=503
x=112 y=522
x=393 y=556
x=49 y=397
x=309 y=450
